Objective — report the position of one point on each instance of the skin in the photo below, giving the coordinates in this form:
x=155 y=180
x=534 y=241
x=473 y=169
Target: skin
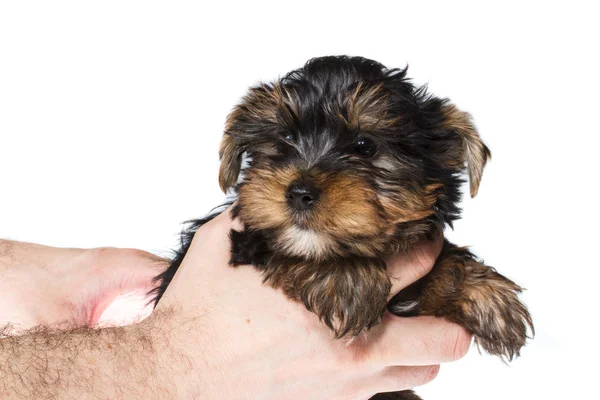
x=217 y=333
x=43 y=285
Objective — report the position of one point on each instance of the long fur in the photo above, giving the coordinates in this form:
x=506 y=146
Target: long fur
x=387 y=160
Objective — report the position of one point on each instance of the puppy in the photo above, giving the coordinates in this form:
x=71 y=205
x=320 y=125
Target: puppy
x=346 y=161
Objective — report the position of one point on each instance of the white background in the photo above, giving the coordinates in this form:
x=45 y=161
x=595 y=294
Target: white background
x=111 y=114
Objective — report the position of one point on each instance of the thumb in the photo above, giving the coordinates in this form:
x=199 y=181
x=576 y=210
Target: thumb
x=206 y=259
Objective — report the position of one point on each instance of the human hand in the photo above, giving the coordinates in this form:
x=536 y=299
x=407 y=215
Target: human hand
x=231 y=337
x=48 y=286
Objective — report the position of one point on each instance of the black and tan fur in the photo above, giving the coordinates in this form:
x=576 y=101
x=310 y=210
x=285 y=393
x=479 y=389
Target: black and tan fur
x=383 y=160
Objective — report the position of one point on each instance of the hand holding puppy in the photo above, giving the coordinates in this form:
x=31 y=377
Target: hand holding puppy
x=242 y=339
x=219 y=333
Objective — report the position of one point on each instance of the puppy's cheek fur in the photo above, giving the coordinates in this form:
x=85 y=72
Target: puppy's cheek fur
x=262 y=202
x=409 y=205
x=348 y=207
x=348 y=212
x=349 y=296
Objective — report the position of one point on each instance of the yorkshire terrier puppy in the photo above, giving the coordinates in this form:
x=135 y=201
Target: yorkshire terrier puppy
x=343 y=162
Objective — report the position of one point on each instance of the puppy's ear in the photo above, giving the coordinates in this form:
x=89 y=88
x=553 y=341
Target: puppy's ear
x=258 y=114
x=473 y=151
x=230 y=152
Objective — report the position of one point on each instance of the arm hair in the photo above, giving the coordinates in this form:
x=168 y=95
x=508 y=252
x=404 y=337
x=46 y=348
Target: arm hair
x=82 y=363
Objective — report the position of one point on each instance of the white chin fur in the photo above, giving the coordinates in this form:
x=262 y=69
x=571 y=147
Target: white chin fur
x=304 y=243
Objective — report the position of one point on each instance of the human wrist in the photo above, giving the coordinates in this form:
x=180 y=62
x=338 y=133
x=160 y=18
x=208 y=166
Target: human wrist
x=26 y=271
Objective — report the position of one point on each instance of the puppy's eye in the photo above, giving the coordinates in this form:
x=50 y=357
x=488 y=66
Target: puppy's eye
x=289 y=137
x=365 y=147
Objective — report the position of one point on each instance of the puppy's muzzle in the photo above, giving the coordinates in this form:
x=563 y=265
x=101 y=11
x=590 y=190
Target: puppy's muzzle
x=302 y=196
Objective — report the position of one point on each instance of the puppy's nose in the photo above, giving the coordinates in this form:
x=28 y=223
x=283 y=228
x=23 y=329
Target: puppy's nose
x=302 y=196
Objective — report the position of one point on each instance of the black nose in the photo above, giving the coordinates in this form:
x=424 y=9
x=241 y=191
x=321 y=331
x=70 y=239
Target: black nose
x=302 y=196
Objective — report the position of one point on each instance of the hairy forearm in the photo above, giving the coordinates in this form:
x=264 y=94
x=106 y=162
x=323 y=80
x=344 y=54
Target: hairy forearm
x=83 y=363
x=60 y=358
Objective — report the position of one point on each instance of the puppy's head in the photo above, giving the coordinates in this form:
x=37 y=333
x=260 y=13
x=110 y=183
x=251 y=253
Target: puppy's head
x=347 y=157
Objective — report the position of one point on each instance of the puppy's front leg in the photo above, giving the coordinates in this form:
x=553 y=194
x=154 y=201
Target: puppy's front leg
x=349 y=296
x=248 y=247
x=475 y=296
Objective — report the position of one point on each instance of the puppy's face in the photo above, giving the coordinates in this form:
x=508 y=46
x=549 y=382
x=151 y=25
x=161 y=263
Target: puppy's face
x=347 y=157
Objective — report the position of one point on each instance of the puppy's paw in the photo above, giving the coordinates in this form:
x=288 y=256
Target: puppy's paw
x=493 y=312
x=479 y=299
x=351 y=298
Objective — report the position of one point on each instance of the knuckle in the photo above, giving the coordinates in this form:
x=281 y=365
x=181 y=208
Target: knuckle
x=131 y=256
x=134 y=253
x=458 y=343
x=429 y=373
x=140 y=254
x=109 y=257
x=102 y=255
x=423 y=259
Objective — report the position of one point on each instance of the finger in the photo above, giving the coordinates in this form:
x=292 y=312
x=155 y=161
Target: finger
x=417 y=341
x=395 y=378
x=408 y=267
